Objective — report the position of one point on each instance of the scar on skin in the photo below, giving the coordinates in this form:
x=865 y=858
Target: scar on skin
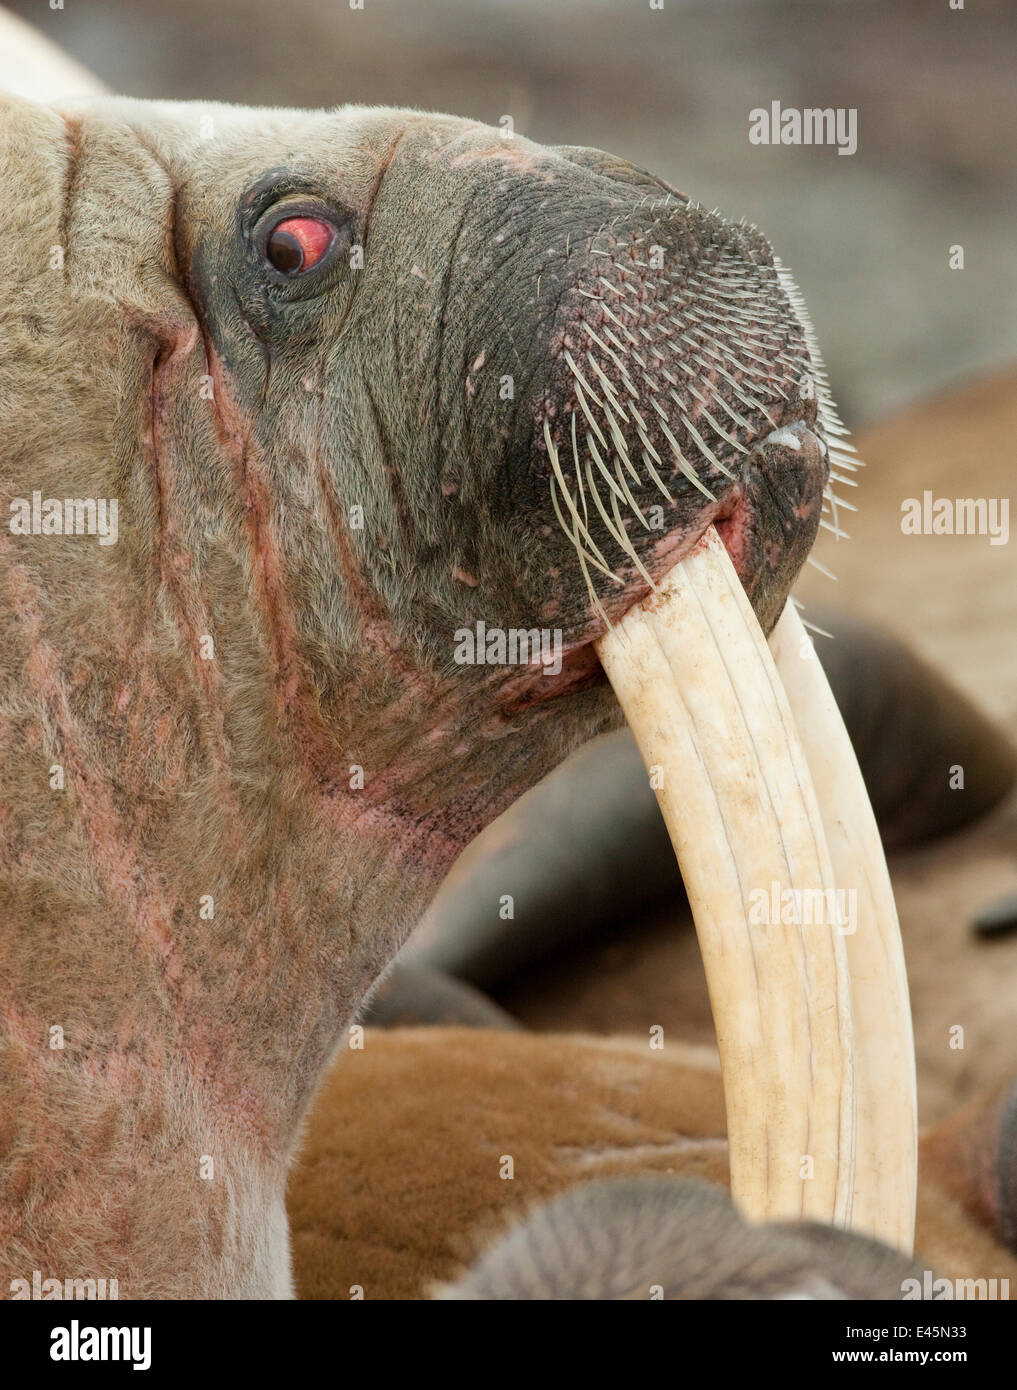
x=519 y=160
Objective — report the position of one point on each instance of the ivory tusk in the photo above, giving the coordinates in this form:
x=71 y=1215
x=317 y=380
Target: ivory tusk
x=886 y=1118
x=695 y=678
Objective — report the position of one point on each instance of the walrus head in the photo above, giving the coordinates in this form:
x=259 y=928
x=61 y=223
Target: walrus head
x=550 y=369
x=398 y=375
x=360 y=381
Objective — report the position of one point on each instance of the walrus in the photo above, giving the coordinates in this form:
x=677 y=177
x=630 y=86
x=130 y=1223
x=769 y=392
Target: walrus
x=317 y=371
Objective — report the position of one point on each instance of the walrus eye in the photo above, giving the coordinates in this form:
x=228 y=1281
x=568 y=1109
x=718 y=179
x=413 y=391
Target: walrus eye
x=298 y=244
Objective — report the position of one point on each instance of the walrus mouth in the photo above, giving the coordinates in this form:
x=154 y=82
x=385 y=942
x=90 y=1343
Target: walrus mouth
x=729 y=515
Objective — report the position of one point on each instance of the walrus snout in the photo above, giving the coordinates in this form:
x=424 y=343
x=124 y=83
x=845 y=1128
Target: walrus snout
x=682 y=393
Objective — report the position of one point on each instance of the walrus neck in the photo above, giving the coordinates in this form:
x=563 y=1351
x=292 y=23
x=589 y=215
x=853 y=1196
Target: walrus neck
x=154 y=1072
x=157 y=1155
x=138 y=1180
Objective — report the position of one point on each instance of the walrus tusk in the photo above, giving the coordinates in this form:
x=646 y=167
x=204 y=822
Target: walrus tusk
x=886 y=1118
x=695 y=678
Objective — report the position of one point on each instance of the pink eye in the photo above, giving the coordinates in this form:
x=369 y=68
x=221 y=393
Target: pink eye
x=298 y=244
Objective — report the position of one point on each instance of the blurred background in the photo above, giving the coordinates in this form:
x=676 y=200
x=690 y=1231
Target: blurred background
x=867 y=236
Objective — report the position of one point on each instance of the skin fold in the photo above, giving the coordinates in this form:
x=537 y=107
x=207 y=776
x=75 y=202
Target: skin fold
x=238 y=752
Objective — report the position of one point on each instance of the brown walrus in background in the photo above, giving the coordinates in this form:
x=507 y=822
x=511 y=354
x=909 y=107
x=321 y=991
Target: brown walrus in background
x=402 y=1180
x=317 y=360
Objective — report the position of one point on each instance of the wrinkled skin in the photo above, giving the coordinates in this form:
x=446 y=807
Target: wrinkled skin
x=238 y=415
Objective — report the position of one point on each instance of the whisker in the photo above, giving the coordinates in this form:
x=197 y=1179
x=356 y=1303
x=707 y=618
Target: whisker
x=705 y=448
x=655 y=476
x=579 y=377
x=580 y=526
x=628 y=494
x=602 y=466
x=811 y=560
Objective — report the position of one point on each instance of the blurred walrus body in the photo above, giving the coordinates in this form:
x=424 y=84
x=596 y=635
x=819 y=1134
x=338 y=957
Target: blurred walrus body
x=281 y=399
x=425 y=1148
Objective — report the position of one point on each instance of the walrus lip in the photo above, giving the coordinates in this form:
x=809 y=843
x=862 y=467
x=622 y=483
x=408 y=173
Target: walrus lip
x=731 y=518
x=820 y=1125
